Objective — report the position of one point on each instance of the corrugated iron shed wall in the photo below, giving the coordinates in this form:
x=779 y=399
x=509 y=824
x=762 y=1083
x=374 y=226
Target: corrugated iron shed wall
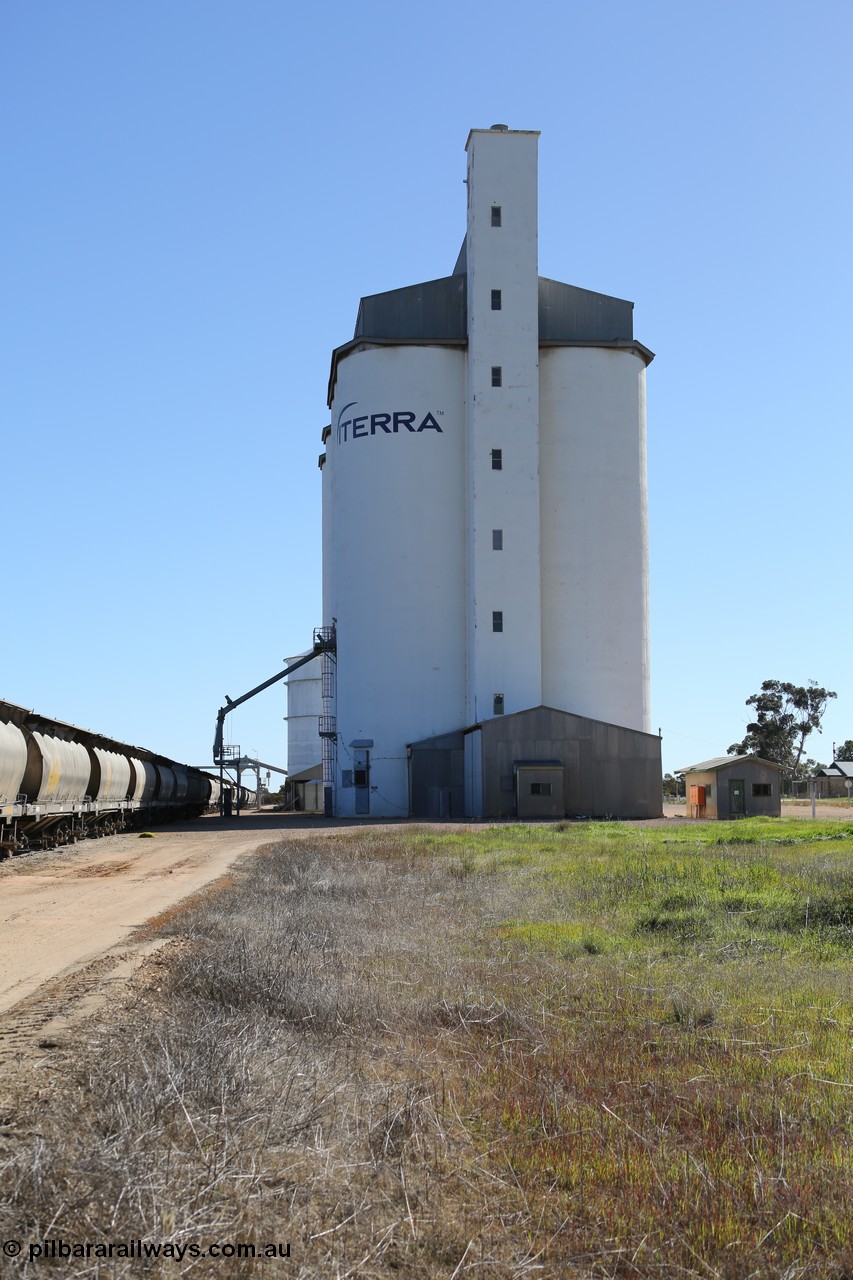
x=608 y=771
x=437 y=777
x=572 y=314
x=434 y=309
x=438 y=309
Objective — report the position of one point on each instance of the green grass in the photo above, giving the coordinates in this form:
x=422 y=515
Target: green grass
x=686 y=1100
x=782 y=885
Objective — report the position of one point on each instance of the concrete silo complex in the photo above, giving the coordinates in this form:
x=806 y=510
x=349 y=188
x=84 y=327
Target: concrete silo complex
x=485 y=548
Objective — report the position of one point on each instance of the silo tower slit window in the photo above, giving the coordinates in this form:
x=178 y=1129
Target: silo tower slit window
x=498 y=704
x=497 y=539
x=497 y=620
x=496 y=299
x=497 y=460
x=496 y=215
x=497 y=375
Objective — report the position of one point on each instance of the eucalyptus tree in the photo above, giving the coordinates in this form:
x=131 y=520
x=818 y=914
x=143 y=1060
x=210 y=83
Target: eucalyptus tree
x=785 y=715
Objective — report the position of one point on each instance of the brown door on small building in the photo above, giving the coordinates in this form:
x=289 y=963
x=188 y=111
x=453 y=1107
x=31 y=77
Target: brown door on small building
x=737 y=798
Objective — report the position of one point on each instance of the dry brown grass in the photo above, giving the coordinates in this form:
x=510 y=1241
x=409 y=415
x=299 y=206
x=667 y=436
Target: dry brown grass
x=282 y=1079
x=348 y=1051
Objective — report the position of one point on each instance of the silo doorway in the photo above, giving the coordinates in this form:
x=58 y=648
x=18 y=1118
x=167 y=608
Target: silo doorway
x=361 y=779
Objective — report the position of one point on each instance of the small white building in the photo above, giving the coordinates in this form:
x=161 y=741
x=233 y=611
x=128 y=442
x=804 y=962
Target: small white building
x=485 y=547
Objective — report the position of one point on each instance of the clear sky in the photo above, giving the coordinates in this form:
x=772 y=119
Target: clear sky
x=198 y=192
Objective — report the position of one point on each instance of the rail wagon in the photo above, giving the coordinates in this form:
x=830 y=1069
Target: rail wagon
x=60 y=783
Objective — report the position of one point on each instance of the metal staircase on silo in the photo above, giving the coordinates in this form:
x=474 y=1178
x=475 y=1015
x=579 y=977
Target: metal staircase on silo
x=325 y=642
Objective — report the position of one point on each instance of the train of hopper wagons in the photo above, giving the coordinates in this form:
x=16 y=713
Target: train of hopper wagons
x=59 y=784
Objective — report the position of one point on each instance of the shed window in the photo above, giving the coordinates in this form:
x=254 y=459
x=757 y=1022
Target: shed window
x=497 y=460
x=497 y=620
x=497 y=375
x=496 y=299
x=762 y=789
x=496 y=215
x=540 y=788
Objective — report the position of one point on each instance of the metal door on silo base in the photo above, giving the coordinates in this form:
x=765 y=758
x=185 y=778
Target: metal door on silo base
x=361 y=779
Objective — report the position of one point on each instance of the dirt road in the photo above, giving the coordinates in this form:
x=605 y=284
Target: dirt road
x=60 y=910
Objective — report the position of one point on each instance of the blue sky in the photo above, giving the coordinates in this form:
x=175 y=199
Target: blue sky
x=197 y=193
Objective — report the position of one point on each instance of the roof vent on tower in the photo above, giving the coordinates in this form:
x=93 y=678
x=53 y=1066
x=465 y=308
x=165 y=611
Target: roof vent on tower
x=499 y=128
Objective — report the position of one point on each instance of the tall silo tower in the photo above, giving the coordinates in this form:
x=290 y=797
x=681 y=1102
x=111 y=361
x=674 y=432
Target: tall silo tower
x=485 y=547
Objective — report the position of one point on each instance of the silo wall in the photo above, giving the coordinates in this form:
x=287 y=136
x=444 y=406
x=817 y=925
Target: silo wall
x=394 y=561
x=304 y=705
x=594 y=541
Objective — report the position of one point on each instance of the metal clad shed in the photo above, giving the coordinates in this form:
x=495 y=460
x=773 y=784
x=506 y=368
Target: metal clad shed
x=605 y=770
x=608 y=770
x=733 y=787
x=437 y=777
x=306 y=789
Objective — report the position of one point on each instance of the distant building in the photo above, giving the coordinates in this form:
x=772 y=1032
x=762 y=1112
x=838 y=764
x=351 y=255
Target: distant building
x=733 y=787
x=485 y=544
x=835 y=781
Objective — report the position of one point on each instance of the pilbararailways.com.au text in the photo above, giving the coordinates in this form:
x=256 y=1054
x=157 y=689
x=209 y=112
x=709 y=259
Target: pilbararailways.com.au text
x=49 y=1250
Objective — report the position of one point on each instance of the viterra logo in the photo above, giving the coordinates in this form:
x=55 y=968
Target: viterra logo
x=369 y=424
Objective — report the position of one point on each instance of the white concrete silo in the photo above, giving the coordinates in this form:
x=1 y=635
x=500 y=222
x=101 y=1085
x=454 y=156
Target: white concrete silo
x=595 y=555
x=394 y=476
x=484 y=527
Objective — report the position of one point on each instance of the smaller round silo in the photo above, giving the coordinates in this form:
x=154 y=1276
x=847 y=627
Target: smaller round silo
x=304 y=706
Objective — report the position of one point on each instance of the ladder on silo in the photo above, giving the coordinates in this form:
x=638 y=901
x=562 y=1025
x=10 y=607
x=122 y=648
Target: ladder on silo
x=326 y=639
